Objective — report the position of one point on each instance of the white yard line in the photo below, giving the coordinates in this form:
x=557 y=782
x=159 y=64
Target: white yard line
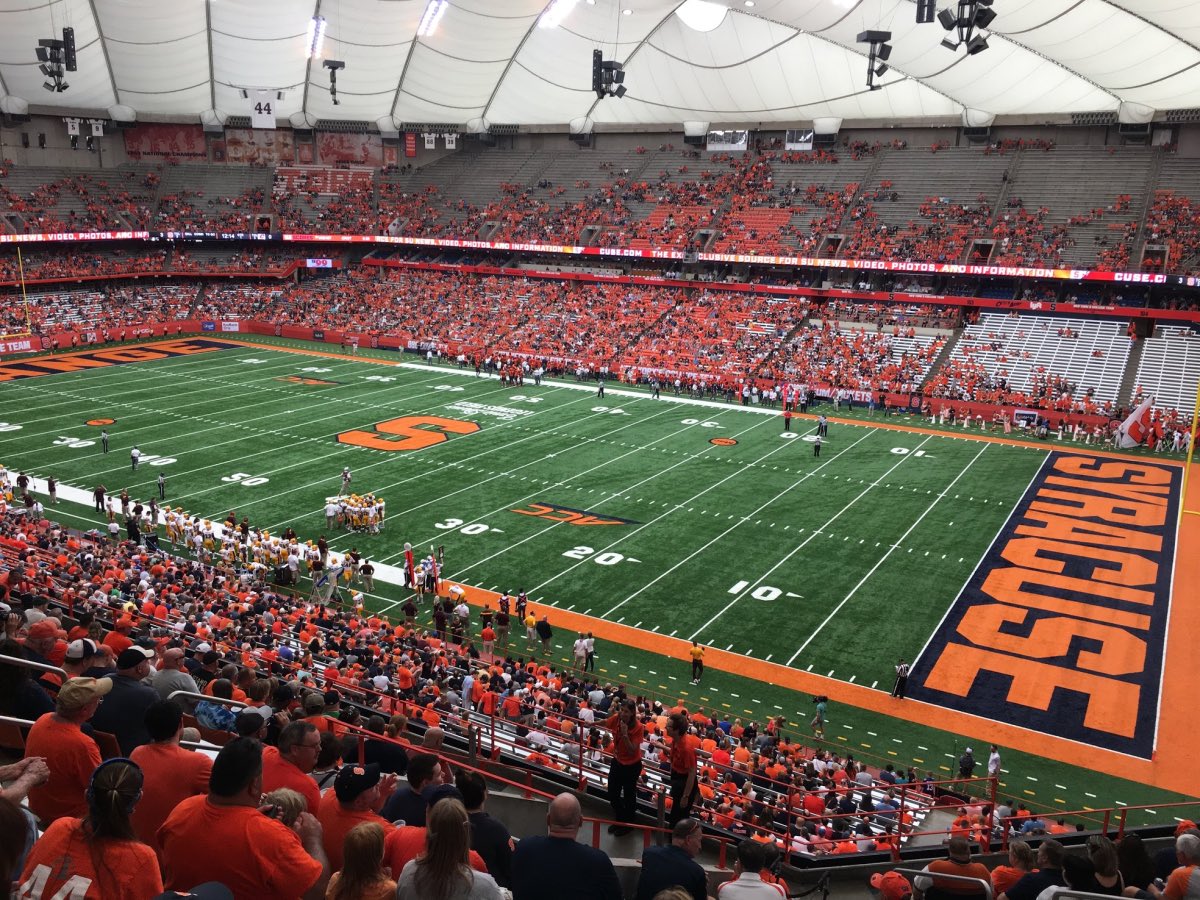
x=933 y=633
x=688 y=458
x=539 y=461
x=241 y=438
x=883 y=559
x=805 y=542
x=741 y=521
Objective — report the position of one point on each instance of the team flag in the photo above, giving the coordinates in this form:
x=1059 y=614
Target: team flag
x=1133 y=430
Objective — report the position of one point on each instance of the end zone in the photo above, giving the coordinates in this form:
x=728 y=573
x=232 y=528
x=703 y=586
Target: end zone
x=1062 y=627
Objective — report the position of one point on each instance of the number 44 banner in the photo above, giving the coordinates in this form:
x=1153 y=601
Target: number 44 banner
x=262 y=109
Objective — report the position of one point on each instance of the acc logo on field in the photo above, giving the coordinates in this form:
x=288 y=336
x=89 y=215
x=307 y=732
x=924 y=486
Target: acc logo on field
x=99 y=422
x=723 y=442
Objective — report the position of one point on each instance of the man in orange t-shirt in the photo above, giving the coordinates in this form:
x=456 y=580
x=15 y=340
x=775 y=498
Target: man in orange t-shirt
x=224 y=837
x=287 y=764
x=626 y=765
x=71 y=755
x=357 y=795
x=171 y=774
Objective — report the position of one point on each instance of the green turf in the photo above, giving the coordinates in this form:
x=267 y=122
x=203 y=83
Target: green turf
x=836 y=565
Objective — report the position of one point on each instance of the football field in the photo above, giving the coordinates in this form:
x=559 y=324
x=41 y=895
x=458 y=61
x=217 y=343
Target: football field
x=660 y=521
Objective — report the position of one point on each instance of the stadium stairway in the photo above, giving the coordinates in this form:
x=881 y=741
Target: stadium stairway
x=866 y=182
x=945 y=354
x=1129 y=378
x=1143 y=208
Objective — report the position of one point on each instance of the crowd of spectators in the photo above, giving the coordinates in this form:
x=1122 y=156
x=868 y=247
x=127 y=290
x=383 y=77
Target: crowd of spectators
x=131 y=626
x=310 y=681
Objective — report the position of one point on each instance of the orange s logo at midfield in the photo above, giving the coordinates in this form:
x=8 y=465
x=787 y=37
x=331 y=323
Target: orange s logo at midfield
x=408 y=433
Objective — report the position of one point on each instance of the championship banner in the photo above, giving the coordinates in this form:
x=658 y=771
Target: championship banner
x=410 y=144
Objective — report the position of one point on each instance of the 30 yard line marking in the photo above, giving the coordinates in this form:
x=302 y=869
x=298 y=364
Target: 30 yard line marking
x=829 y=618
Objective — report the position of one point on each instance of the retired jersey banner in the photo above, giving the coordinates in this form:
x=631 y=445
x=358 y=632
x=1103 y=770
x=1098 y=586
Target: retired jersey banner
x=1062 y=627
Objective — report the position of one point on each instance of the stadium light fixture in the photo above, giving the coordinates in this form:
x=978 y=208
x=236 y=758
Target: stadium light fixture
x=314 y=38
x=965 y=23
x=431 y=17
x=880 y=51
x=334 y=65
x=555 y=13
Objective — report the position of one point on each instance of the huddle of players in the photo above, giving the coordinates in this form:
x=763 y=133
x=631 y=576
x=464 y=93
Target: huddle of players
x=355 y=513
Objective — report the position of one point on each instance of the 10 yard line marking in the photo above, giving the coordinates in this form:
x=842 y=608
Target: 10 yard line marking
x=728 y=606
x=883 y=558
x=732 y=527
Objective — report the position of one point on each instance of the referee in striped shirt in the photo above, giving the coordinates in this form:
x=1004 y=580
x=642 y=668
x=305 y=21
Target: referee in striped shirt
x=901 y=679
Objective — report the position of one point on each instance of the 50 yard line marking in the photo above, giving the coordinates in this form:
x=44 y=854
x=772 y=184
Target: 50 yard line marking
x=883 y=558
x=738 y=523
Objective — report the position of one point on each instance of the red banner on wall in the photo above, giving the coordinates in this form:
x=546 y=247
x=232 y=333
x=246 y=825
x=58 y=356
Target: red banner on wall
x=360 y=149
x=165 y=140
x=410 y=144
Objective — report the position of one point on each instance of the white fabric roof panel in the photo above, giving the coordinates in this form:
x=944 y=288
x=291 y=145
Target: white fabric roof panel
x=782 y=61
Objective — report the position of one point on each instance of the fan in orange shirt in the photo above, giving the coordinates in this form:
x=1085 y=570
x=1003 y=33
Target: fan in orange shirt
x=171 y=774
x=357 y=795
x=65 y=860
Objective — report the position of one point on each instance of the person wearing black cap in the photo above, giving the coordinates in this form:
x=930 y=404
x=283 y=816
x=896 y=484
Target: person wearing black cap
x=357 y=795
x=123 y=712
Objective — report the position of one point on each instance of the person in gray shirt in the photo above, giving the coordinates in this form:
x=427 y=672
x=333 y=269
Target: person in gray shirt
x=173 y=676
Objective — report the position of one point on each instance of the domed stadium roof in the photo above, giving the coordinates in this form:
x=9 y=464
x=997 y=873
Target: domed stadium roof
x=716 y=61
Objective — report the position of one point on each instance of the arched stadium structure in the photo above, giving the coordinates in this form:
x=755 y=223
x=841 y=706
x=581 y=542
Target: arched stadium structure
x=806 y=332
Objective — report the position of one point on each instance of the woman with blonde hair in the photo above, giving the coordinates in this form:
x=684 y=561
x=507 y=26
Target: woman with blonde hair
x=363 y=876
x=443 y=871
x=1021 y=861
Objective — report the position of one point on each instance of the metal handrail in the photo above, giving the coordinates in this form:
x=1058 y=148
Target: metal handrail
x=22 y=663
x=195 y=696
x=963 y=880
